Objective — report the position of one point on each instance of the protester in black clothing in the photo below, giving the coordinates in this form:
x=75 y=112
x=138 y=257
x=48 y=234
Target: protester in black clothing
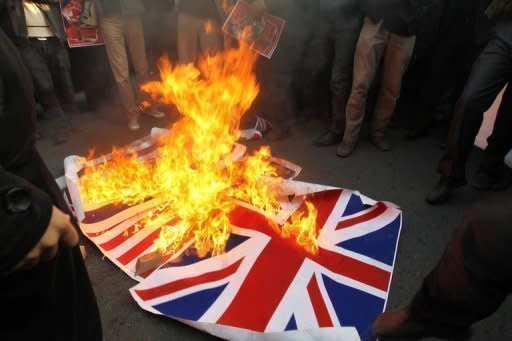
x=491 y=72
x=37 y=29
x=469 y=283
x=339 y=26
x=44 y=287
x=462 y=32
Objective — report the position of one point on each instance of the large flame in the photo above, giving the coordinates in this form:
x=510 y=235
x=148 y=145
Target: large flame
x=193 y=177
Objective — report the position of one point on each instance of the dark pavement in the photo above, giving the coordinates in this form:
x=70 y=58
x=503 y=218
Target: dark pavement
x=402 y=176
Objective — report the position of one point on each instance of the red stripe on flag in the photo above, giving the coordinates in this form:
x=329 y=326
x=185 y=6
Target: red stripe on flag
x=119 y=239
x=321 y=312
x=265 y=285
x=373 y=213
x=169 y=288
x=136 y=251
x=352 y=268
x=324 y=203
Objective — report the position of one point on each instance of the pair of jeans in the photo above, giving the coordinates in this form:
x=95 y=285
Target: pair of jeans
x=377 y=44
x=490 y=73
x=474 y=276
x=48 y=62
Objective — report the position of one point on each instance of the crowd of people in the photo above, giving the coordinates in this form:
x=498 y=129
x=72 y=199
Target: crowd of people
x=422 y=62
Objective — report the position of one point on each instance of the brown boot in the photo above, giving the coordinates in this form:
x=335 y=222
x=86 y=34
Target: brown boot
x=346 y=147
x=401 y=325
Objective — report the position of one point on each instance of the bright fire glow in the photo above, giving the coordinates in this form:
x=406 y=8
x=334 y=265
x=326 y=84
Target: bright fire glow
x=192 y=176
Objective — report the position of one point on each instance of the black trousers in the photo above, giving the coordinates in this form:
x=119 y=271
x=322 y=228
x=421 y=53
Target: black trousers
x=447 y=67
x=491 y=71
x=474 y=276
x=334 y=43
x=48 y=63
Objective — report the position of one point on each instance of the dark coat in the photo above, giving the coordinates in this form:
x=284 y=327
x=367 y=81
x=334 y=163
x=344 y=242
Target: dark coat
x=54 y=300
x=12 y=17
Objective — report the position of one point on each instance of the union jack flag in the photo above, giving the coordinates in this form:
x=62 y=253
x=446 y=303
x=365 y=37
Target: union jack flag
x=265 y=283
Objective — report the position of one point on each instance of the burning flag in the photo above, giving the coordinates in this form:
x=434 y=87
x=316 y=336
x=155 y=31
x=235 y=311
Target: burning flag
x=226 y=240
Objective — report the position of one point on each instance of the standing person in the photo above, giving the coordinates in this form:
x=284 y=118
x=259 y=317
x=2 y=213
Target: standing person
x=122 y=29
x=36 y=27
x=462 y=33
x=340 y=22
x=44 y=286
x=469 y=283
x=388 y=34
x=490 y=73
x=199 y=28
x=160 y=24
x=280 y=74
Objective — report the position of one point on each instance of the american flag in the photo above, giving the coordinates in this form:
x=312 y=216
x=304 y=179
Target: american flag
x=266 y=285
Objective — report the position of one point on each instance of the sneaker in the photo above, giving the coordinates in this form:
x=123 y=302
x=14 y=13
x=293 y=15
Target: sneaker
x=442 y=192
x=262 y=125
x=133 y=125
x=250 y=134
x=346 y=148
x=381 y=143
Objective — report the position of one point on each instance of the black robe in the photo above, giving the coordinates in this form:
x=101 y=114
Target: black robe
x=54 y=300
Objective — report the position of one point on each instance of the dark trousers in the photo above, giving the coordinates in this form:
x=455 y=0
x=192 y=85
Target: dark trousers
x=336 y=38
x=491 y=71
x=474 y=276
x=48 y=63
x=447 y=67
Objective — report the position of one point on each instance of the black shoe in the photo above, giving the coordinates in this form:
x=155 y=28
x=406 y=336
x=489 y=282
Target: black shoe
x=442 y=192
x=492 y=181
x=328 y=139
x=381 y=143
x=402 y=325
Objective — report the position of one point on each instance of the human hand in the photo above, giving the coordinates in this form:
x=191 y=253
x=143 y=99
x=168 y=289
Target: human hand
x=60 y=232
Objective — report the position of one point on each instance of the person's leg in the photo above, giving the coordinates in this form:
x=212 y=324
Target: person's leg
x=60 y=68
x=490 y=73
x=398 y=55
x=34 y=55
x=469 y=283
x=369 y=50
x=134 y=36
x=188 y=38
x=345 y=40
x=116 y=51
x=211 y=40
x=436 y=79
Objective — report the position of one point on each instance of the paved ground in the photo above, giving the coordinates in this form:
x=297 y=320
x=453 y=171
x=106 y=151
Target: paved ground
x=402 y=176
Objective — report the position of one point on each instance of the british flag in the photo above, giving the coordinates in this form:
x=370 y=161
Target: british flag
x=266 y=285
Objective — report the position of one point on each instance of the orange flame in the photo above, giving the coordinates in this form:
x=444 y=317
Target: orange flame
x=193 y=178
